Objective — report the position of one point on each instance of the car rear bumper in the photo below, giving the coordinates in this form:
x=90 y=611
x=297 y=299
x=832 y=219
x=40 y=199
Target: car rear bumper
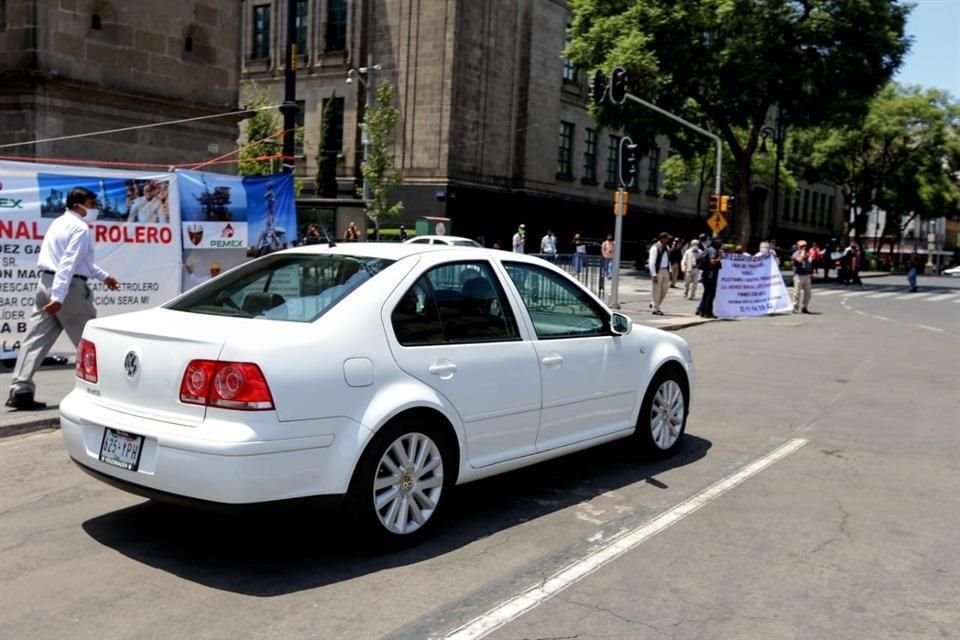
x=184 y=462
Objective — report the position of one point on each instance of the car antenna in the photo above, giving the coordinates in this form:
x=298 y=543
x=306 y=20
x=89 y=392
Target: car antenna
x=330 y=242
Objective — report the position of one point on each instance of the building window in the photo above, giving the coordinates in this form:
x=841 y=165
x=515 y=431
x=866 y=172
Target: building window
x=188 y=44
x=334 y=141
x=569 y=69
x=336 y=25
x=95 y=23
x=565 y=159
x=590 y=156
x=613 y=150
x=302 y=20
x=300 y=123
x=830 y=205
x=3 y=15
x=796 y=206
x=261 y=32
x=786 y=206
x=653 y=177
x=825 y=215
x=805 y=213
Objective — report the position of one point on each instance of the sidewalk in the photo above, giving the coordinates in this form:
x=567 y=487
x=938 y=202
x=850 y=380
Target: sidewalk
x=53 y=383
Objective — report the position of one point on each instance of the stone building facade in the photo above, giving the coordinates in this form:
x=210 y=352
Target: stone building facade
x=75 y=66
x=493 y=126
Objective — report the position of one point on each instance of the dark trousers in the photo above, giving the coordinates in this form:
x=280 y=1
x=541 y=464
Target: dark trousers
x=705 y=307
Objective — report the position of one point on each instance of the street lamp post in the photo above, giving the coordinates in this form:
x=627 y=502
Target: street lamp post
x=776 y=134
x=368 y=85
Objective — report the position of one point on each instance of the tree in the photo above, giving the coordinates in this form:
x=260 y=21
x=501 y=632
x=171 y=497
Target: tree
x=725 y=63
x=261 y=137
x=904 y=158
x=378 y=169
x=327 y=157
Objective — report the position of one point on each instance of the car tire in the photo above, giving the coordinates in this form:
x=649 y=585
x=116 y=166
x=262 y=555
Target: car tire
x=395 y=501
x=663 y=414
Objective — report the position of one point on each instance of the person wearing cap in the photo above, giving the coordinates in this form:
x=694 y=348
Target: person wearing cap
x=196 y=279
x=519 y=239
x=802 y=278
x=659 y=265
x=63 y=300
x=691 y=273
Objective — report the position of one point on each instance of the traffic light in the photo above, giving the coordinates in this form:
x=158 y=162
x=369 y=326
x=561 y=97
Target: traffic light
x=725 y=203
x=599 y=87
x=618 y=85
x=714 y=203
x=627 y=166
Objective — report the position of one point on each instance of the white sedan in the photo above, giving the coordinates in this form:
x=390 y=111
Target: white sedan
x=379 y=373
x=451 y=241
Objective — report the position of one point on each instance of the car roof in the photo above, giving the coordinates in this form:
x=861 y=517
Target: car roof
x=435 y=237
x=400 y=250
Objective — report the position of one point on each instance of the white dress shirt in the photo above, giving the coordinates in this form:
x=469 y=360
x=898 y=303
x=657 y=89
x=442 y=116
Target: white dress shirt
x=664 y=258
x=67 y=250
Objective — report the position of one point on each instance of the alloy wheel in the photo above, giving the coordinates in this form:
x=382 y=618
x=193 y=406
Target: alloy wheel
x=408 y=483
x=667 y=414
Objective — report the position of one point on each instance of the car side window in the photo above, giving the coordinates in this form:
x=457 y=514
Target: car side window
x=420 y=241
x=558 y=308
x=461 y=302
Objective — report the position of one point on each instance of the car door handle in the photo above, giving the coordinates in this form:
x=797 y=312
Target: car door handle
x=553 y=360
x=443 y=369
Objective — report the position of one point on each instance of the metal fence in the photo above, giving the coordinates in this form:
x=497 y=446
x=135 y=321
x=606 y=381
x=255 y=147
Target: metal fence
x=588 y=269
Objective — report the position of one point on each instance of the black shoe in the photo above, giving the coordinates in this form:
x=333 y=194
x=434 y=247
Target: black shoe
x=657 y=312
x=24 y=402
x=804 y=310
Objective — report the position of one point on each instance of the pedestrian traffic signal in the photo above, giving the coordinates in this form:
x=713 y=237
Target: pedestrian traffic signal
x=618 y=85
x=628 y=160
x=599 y=88
x=714 y=203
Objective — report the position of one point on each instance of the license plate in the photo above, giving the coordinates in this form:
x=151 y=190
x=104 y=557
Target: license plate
x=121 y=449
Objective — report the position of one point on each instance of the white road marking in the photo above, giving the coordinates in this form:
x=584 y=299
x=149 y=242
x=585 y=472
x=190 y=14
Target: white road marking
x=854 y=294
x=828 y=292
x=515 y=607
x=941 y=297
x=923 y=326
x=882 y=318
x=913 y=296
x=885 y=294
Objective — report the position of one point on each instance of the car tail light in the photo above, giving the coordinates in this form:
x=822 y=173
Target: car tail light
x=231 y=385
x=87 y=361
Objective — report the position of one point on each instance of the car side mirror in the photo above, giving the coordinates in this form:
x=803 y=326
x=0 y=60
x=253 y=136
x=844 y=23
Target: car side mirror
x=620 y=324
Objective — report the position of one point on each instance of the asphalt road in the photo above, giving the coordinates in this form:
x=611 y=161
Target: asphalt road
x=849 y=534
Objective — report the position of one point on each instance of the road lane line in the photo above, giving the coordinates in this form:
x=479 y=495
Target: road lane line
x=515 y=607
x=885 y=294
x=828 y=292
x=941 y=297
x=882 y=318
x=854 y=294
x=928 y=328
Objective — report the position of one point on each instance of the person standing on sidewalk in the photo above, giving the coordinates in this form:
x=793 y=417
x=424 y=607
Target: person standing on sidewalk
x=912 y=273
x=691 y=274
x=520 y=239
x=63 y=300
x=802 y=278
x=676 y=257
x=548 y=246
x=607 y=253
x=659 y=264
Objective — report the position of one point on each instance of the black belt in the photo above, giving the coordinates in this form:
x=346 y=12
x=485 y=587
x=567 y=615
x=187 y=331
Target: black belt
x=53 y=273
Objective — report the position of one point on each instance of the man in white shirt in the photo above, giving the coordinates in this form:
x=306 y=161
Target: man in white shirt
x=195 y=279
x=659 y=265
x=519 y=239
x=548 y=244
x=63 y=300
x=691 y=274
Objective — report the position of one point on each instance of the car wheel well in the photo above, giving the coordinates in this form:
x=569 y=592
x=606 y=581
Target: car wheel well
x=672 y=366
x=435 y=418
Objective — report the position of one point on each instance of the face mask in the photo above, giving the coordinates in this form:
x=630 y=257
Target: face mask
x=91 y=213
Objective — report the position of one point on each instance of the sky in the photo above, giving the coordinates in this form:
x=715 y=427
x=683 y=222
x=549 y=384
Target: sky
x=934 y=59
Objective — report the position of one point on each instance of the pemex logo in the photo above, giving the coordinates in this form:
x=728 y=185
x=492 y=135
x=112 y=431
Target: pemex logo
x=227 y=231
x=195 y=233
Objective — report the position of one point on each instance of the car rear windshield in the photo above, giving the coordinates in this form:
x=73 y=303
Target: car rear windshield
x=298 y=288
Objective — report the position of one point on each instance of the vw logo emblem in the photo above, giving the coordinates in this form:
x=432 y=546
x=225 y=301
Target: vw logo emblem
x=131 y=363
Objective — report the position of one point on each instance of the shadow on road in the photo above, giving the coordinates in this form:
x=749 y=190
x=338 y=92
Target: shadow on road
x=277 y=551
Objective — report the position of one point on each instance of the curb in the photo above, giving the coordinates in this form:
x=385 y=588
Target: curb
x=29 y=426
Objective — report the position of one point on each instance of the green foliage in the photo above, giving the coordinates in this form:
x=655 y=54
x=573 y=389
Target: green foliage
x=327 y=158
x=260 y=136
x=903 y=158
x=725 y=63
x=378 y=169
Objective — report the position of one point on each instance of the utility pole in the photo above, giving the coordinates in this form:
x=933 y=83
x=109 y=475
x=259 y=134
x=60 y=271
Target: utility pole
x=365 y=135
x=289 y=108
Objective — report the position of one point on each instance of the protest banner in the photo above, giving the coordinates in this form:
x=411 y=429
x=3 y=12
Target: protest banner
x=136 y=235
x=750 y=286
x=230 y=212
